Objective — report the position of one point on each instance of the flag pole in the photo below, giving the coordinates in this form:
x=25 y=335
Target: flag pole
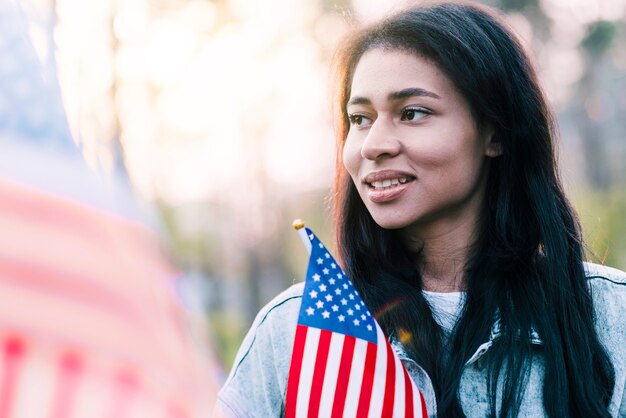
x=298 y=225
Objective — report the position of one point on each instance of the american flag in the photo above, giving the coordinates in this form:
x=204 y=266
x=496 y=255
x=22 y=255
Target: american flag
x=342 y=365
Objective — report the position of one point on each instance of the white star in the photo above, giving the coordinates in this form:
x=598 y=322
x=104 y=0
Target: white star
x=369 y=327
x=321 y=245
x=356 y=322
x=345 y=286
x=335 y=308
x=341 y=318
x=329 y=298
x=311 y=237
x=316 y=277
x=325 y=314
x=333 y=265
x=319 y=261
x=338 y=291
x=350 y=312
x=351 y=296
x=339 y=276
x=310 y=311
x=344 y=301
x=357 y=307
x=363 y=317
x=368 y=314
x=322 y=287
x=313 y=294
x=319 y=304
x=327 y=255
x=362 y=303
x=331 y=281
x=325 y=271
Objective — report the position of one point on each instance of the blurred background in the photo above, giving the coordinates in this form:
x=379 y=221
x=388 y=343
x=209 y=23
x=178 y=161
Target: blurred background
x=217 y=112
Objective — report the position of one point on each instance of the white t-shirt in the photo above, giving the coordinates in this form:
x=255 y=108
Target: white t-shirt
x=446 y=307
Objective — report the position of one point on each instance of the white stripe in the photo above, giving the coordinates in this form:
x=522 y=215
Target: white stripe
x=306 y=373
x=36 y=383
x=93 y=394
x=378 y=390
x=330 y=376
x=356 y=378
x=399 y=393
x=417 y=401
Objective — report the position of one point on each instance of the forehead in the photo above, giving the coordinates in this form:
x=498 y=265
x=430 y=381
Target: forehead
x=382 y=70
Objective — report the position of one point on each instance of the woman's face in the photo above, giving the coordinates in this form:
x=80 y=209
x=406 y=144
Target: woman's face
x=413 y=149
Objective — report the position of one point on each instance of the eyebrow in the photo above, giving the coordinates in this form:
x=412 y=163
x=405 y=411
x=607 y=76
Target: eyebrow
x=397 y=95
x=410 y=92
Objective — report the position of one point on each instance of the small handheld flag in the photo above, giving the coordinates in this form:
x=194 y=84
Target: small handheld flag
x=342 y=364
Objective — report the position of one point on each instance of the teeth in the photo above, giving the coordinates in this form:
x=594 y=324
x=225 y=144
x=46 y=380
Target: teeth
x=389 y=183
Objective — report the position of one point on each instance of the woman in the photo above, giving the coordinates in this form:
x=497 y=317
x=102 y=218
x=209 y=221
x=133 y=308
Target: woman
x=450 y=214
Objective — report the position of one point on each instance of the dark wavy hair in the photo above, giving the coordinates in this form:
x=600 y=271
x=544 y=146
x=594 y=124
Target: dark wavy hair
x=526 y=265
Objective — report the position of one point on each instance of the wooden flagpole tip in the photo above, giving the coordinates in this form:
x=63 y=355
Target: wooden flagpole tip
x=298 y=224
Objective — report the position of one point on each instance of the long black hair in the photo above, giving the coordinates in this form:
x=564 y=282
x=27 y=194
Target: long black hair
x=525 y=267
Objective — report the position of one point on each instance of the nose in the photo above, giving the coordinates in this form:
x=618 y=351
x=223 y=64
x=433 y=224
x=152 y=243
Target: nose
x=380 y=142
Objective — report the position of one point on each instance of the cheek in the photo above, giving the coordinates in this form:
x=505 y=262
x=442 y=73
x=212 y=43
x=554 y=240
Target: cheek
x=351 y=157
x=432 y=156
x=458 y=173
x=453 y=148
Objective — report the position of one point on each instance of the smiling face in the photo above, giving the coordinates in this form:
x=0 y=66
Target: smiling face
x=413 y=149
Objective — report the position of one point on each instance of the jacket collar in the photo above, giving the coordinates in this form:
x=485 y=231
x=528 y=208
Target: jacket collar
x=496 y=332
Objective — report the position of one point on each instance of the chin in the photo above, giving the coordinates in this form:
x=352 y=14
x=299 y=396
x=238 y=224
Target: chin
x=390 y=222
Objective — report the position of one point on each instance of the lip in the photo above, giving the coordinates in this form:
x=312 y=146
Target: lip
x=389 y=194
x=386 y=175
x=386 y=195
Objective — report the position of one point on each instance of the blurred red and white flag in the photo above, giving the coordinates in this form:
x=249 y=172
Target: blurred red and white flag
x=90 y=323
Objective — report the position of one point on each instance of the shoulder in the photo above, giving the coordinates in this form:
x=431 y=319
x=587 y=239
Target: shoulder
x=257 y=380
x=273 y=324
x=280 y=311
x=598 y=272
x=608 y=289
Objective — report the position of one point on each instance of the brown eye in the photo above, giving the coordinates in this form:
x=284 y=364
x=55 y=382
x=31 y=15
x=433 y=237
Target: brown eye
x=414 y=114
x=357 y=120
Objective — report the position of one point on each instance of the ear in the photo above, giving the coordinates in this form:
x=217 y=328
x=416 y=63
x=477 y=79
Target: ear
x=493 y=145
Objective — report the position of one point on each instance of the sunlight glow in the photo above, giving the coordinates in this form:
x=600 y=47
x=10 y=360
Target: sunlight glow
x=584 y=11
x=207 y=98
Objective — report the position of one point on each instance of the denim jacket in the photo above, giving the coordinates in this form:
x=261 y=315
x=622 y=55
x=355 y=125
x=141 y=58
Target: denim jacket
x=256 y=385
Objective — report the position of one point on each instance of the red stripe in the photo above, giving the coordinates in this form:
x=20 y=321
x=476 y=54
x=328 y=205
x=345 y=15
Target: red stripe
x=98 y=227
x=13 y=355
x=70 y=369
x=125 y=388
x=343 y=377
x=424 y=410
x=294 y=372
x=408 y=395
x=318 y=372
x=390 y=383
x=368 y=381
x=39 y=207
x=66 y=284
x=176 y=410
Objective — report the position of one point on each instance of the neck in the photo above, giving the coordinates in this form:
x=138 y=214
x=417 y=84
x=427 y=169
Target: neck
x=443 y=250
